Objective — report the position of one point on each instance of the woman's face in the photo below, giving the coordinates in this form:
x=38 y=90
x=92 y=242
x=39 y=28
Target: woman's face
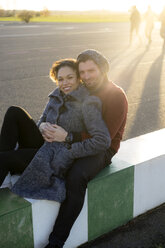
x=67 y=79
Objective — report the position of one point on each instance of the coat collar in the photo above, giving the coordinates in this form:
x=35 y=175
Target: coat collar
x=79 y=94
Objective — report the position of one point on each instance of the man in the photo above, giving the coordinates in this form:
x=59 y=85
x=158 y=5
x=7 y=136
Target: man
x=149 y=18
x=93 y=68
x=135 y=20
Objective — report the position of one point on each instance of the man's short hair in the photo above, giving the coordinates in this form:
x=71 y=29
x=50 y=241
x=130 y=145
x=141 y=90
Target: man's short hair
x=97 y=58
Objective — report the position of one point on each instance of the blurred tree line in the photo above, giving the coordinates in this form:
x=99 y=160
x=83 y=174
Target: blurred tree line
x=24 y=15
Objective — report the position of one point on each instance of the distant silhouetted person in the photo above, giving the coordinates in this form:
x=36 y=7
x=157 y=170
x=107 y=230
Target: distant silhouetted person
x=135 y=20
x=149 y=18
x=162 y=28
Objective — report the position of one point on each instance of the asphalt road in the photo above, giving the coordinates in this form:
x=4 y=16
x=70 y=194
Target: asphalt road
x=27 y=52
x=145 y=231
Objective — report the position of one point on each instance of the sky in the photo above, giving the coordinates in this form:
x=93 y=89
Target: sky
x=68 y=5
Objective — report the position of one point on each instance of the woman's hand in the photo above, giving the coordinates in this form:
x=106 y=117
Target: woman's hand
x=46 y=127
x=47 y=131
x=60 y=133
x=52 y=132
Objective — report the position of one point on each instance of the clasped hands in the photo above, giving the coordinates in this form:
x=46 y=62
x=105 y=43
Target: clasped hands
x=52 y=132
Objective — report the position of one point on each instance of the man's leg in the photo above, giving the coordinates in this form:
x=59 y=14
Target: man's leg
x=131 y=34
x=82 y=171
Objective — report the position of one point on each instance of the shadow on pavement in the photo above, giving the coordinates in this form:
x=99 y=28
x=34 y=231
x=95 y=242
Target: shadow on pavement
x=152 y=83
x=128 y=73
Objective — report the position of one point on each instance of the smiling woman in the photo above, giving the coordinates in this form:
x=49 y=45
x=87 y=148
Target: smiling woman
x=65 y=74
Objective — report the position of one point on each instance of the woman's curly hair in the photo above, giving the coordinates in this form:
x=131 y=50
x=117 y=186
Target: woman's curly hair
x=69 y=62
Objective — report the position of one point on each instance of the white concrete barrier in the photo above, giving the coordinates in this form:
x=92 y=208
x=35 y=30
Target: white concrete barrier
x=147 y=154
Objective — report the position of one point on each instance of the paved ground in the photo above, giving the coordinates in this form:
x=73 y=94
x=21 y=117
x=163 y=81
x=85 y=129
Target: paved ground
x=27 y=51
x=146 y=231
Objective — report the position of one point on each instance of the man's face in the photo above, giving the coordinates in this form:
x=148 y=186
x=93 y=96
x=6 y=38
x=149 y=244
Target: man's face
x=91 y=75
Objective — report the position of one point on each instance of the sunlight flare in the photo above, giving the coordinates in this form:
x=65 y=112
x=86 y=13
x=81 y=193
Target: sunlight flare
x=118 y=5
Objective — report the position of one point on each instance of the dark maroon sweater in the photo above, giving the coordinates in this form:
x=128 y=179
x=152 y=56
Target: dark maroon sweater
x=114 y=109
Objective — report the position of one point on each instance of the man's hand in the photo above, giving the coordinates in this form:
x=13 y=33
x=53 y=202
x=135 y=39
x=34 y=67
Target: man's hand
x=52 y=132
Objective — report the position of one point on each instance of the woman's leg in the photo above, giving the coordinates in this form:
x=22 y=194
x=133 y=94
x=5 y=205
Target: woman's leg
x=19 y=127
x=82 y=171
x=15 y=161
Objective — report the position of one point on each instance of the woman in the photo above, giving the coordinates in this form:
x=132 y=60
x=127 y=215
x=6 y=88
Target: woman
x=71 y=107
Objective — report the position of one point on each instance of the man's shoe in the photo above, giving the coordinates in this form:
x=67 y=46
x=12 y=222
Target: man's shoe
x=51 y=246
x=48 y=246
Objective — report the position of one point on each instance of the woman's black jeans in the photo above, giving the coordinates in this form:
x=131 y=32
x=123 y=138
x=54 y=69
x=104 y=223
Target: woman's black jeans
x=18 y=129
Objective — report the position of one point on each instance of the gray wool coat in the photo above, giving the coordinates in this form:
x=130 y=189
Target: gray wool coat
x=75 y=112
